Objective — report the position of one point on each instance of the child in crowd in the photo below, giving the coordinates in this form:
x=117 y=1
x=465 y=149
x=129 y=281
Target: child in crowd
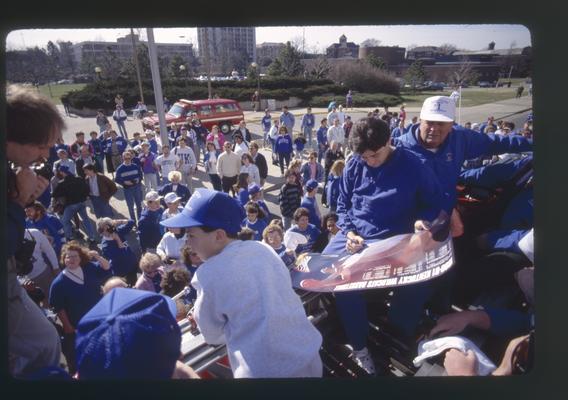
x=241 y=189
x=333 y=180
x=302 y=226
x=299 y=144
x=256 y=197
x=149 y=223
x=289 y=199
x=152 y=273
x=275 y=340
x=274 y=236
x=254 y=220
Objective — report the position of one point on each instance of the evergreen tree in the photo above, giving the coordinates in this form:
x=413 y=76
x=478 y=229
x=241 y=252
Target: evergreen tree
x=415 y=74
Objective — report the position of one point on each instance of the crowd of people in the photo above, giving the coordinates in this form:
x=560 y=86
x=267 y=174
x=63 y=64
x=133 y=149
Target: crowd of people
x=378 y=177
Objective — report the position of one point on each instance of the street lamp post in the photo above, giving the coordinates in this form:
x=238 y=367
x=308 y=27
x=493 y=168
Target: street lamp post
x=98 y=71
x=257 y=70
x=182 y=69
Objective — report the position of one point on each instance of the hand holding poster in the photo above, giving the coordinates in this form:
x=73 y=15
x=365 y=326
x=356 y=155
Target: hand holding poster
x=396 y=261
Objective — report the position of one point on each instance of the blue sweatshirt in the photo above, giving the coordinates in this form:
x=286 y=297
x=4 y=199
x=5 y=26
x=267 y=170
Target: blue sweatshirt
x=243 y=196
x=266 y=122
x=381 y=202
x=460 y=145
x=288 y=120
x=131 y=172
x=54 y=228
x=122 y=259
x=310 y=204
x=332 y=190
x=493 y=175
x=258 y=227
x=322 y=135
x=149 y=228
x=75 y=299
x=121 y=144
x=283 y=144
x=181 y=190
x=308 y=121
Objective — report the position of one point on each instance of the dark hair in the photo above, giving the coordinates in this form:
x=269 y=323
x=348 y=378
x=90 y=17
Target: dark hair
x=31 y=118
x=301 y=212
x=253 y=207
x=245 y=234
x=323 y=120
x=242 y=181
x=248 y=157
x=80 y=133
x=327 y=217
x=369 y=134
x=208 y=229
x=174 y=281
x=38 y=206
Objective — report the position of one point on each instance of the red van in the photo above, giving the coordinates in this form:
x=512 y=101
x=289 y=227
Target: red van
x=222 y=112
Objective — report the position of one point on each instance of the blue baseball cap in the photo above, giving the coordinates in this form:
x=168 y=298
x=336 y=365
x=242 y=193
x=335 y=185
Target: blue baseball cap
x=209 y=208
x=253 y=189
x=64 y=168
x=129 y=333
x=311 y=184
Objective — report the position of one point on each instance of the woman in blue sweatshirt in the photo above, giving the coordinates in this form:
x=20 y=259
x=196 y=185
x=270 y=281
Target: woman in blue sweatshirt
x=283 y=147
x=114 y=247
x=149 y=232
x=384 y=191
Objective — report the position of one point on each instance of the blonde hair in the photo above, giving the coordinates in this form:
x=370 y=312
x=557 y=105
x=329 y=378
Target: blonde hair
x=149 y=262
x=173 y=174
x=113 y=282
x=337 y=167
x=272 y=228
x=295 y=164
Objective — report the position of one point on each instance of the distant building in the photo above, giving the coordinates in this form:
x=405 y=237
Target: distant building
x=122 y=48
x=268 y=51
x=343 y=49
x=425 y=54
x=227 y=46
x=391 y=55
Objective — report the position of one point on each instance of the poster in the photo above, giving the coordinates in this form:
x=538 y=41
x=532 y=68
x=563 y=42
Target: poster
x=396 y=261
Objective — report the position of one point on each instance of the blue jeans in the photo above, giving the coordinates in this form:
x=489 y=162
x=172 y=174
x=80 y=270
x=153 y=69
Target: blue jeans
x=101 y=208
x=133 y=196
x=308 y=135
x=69 y=212
x=283 y=157
x=405 y=312
x=122 y=129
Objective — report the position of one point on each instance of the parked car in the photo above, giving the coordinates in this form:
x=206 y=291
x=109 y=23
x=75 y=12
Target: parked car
x=222 y=112
x=432 y=86
x=485 y=84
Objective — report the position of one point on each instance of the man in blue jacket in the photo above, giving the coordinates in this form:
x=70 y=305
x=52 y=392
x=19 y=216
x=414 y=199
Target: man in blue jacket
x=129 y=175
x=444 y=146
x=287 y=119
x=307 y=126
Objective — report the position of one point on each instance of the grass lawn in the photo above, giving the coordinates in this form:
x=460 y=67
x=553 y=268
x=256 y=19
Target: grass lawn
x=59 y=90
x=470 y=96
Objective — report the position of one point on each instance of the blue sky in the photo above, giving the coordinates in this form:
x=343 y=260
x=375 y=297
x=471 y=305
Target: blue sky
x=468 y=37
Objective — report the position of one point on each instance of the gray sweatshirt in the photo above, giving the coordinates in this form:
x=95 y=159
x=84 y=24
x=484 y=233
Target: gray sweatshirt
x=245 y=299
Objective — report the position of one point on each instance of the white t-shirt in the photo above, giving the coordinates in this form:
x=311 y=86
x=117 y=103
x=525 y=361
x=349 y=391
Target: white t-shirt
x=245 y=299
x=187 y=158
x=42 y=246
x=254 y=174
x=167 y=164
x=169 y=246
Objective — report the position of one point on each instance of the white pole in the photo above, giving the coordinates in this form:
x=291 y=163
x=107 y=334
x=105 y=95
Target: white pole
x=460 y=105
x=157 y=83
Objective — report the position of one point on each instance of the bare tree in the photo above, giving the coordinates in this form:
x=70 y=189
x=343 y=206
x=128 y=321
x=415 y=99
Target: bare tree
x=465 y=73
x=370 y=43
x=447 y=48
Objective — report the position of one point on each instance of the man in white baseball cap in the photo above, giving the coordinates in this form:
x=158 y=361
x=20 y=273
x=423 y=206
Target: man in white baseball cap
x=444 y=146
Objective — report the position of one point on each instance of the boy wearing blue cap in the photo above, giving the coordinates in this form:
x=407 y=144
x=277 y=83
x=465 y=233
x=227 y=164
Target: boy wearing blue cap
x=266 y=331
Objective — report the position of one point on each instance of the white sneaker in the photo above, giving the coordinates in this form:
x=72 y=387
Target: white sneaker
x=364 y=360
